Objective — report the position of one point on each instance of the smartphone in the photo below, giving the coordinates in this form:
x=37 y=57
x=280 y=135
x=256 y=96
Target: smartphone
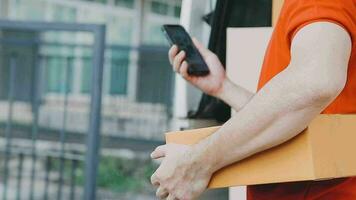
x=177 y=35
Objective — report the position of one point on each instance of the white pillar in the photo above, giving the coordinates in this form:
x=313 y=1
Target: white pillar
x=134 y=55
x=187 y=97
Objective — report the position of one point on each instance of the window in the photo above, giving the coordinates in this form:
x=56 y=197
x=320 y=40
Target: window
x=168 y=8
x=99 y=1
x=125 y=3
x=86 y=75
x=177 y=10
x=102 y=1
x=56 y=74
x=119 y=72
x=159 y=8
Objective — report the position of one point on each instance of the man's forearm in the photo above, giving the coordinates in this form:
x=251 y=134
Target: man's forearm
x=281 y=110
x=235 y=96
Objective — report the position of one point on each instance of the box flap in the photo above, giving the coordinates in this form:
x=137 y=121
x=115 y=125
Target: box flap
x=290 y=161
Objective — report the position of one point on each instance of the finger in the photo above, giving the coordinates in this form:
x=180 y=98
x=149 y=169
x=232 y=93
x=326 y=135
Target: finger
x=154 y=180
x=183 y=70
x=178 y=61
x=203 y=51
x=159 y=152
x=172 y=53
x=162 y=193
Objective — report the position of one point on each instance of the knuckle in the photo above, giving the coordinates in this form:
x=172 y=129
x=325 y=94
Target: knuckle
x=158 y=148
x=155 y=179
x=181 y=54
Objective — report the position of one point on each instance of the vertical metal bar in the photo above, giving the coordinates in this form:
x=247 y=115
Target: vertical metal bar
x=47 y=176
x=19 y=176
x=65 y=90
x=93 y=138
x=34 y=131
x=74 y=167
x=8 y=131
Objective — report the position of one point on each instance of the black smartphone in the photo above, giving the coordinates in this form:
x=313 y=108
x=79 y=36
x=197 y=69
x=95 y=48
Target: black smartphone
x=177 y=35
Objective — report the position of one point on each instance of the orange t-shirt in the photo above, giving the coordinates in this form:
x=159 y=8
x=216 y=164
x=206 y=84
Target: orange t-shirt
x=294 y=15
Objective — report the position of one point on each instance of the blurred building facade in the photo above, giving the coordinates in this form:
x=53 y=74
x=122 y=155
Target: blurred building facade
x=137 y=86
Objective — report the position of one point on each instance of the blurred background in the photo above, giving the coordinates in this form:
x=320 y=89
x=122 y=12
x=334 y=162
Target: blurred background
x=50 y=76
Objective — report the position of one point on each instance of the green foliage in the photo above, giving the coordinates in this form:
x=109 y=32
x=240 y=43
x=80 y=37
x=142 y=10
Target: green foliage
x=116 y=174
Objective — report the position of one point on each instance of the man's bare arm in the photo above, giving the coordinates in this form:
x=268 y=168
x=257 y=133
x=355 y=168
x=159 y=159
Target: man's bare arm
x=287 y=104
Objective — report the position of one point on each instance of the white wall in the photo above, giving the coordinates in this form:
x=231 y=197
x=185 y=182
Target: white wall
x=245 y=53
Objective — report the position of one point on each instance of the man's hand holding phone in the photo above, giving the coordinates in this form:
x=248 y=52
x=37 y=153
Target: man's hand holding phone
x=213 y=83
x=202 y=68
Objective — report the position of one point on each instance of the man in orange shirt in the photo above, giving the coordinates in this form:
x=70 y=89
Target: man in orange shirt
x=309 y=68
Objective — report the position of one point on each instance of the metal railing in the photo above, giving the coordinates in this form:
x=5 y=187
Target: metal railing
x=46 y=177
x=50 y=118
x=32 y=154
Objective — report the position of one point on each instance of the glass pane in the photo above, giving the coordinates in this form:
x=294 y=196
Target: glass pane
x=119 y=72
x=56 y=74
x=86 y=75
x=102 y=1
x=159 y=7
x=177 y=10
x=97 y=1
x=125 y=3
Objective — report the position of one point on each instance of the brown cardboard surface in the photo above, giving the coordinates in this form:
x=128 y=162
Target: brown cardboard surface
x=324 y=150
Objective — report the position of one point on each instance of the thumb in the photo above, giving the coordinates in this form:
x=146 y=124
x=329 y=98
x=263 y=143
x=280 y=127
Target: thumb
x=159 y=152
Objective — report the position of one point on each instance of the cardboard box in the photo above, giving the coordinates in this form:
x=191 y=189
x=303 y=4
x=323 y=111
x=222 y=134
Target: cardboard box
x=324 y=150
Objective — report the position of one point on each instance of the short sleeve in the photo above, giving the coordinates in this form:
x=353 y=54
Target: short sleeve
x=306 y=12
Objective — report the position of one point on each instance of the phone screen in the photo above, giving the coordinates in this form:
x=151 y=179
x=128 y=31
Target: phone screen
x=177 y=35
